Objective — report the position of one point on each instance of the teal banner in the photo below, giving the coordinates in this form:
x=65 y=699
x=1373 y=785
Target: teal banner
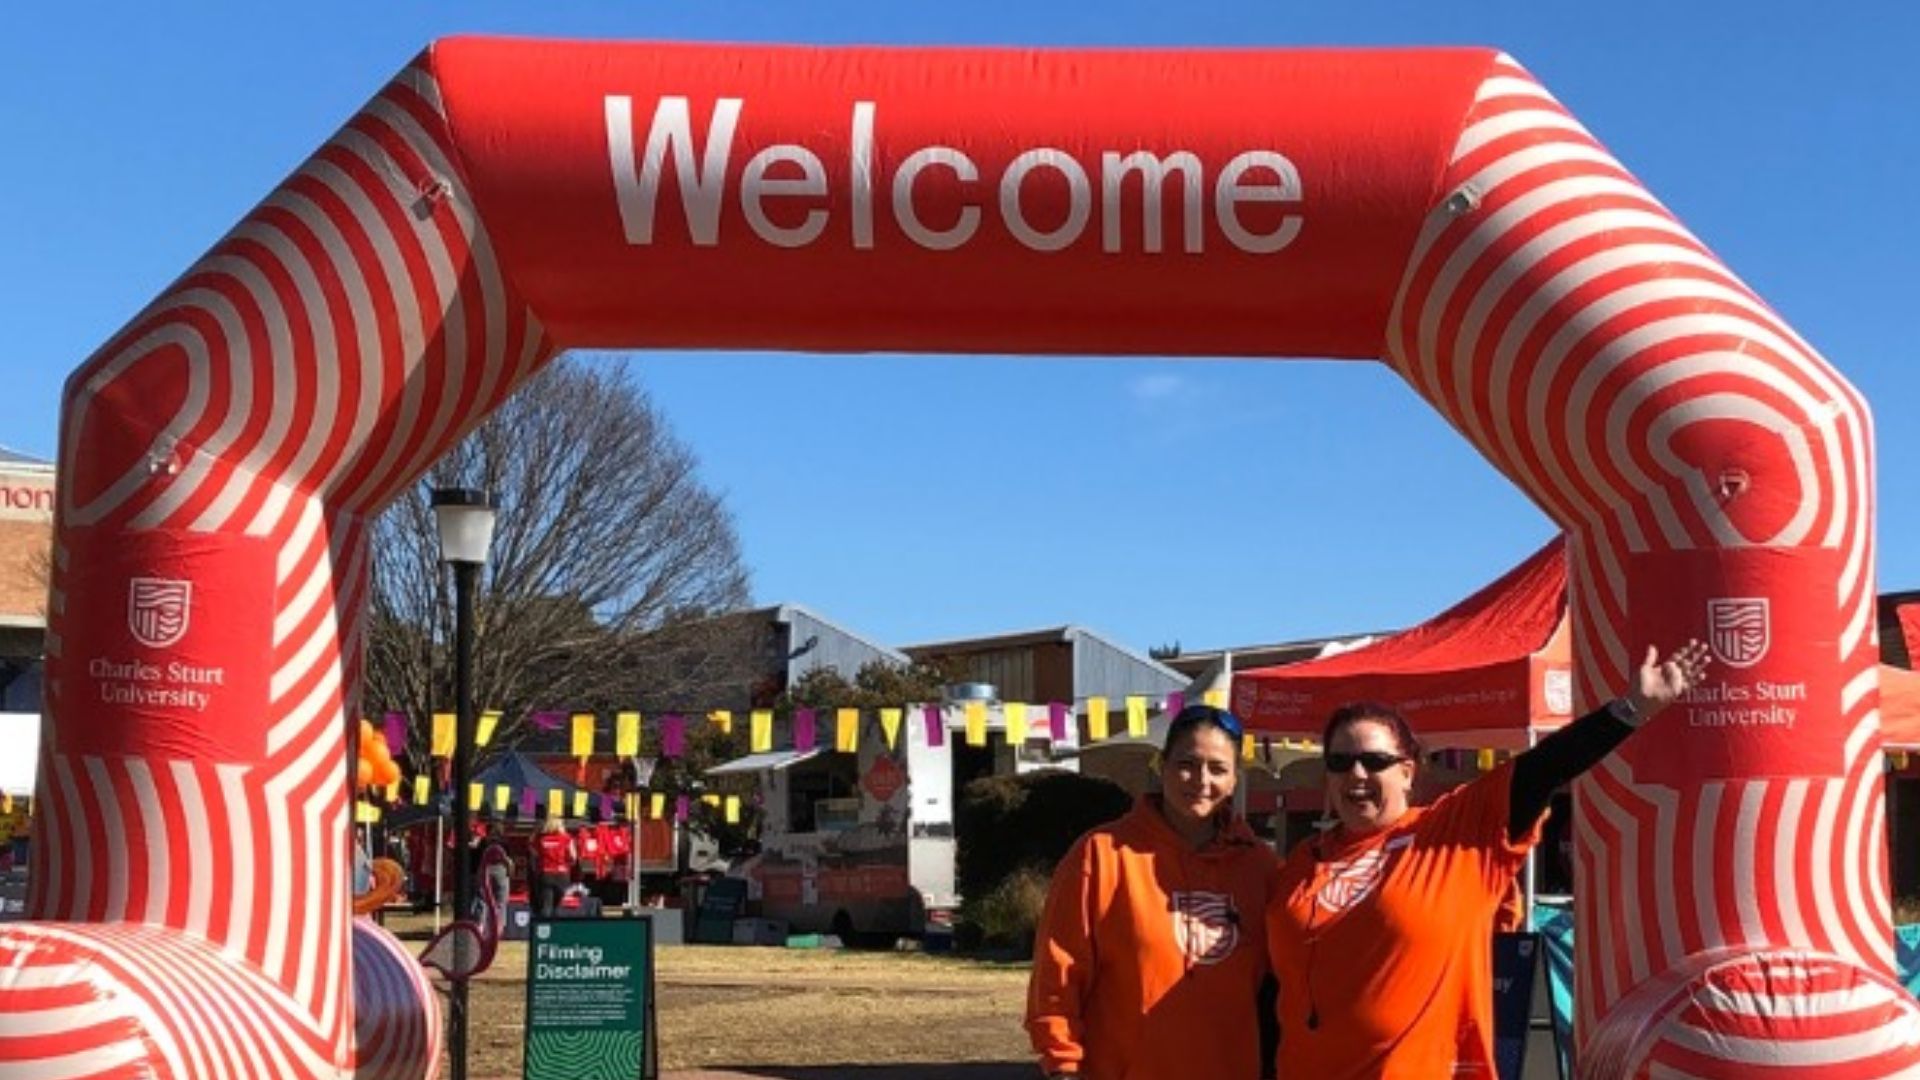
x=590 y=1001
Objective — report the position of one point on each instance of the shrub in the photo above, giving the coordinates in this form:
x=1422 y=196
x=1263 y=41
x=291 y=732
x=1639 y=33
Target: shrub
x=1014 y=827
x=1008 y=916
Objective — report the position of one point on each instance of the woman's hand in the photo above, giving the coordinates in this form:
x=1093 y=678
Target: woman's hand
x=1660 y=683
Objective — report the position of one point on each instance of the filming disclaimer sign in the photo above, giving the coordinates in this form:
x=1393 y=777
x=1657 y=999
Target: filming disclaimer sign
x=590 y=1001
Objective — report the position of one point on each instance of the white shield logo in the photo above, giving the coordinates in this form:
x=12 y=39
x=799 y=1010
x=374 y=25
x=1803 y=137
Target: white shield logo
x=1205 y=925
x=1739 y=629
x=157 y=610
x=1559 y=691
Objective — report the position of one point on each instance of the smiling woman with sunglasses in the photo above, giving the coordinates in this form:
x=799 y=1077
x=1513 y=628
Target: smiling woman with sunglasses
x=1381 y=930
x=1149 y=958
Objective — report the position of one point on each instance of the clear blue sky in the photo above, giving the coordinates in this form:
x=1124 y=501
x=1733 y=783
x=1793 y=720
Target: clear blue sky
x=1210 y=503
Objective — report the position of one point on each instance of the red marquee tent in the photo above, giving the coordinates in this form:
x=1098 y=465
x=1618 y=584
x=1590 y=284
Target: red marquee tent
x=1493 y=671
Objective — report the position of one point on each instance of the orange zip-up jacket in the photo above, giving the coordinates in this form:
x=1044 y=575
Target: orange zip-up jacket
x=1149 y=958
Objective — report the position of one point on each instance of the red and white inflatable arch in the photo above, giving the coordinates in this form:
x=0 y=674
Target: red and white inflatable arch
x=503 y=200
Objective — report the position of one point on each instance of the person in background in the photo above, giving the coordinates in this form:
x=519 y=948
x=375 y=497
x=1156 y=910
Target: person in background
x=1149 y=957
x=555 y=854
x=1381 y=930
x=496 y=878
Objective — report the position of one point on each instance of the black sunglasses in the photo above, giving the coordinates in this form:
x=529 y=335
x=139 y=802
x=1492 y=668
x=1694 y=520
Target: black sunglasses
x=1374 y=761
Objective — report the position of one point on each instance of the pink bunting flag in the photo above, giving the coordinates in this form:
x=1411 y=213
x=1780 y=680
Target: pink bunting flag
x=529 y=798
x=395 y=727
x=1175 y=702
x=548 y=721
x=805 y=736
x=1057 y=721
x=682 y=807
x=673 y=735
x=936 y=726
x=606 y=807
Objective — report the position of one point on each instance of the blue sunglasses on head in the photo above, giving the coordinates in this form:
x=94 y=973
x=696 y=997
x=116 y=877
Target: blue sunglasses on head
x=1208 y=714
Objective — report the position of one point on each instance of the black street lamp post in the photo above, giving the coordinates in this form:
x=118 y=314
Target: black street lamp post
x=464 y=517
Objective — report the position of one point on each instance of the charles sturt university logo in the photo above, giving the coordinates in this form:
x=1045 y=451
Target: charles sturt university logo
x=1739 y=630
x=1205 y=925
x=157 y=610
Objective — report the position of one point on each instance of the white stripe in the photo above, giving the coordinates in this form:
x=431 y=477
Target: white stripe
x=237 y=351
x=153 y=821
x=77 y=1065
x=193 y=808
x=1704 y=880
x=1799 y=1053
x=1793 y=1005
x=1826 y=828
x=1625 y=861
x=1746 y=847
x=239 y=816
x=193 y=406
x=116 y=853
x=1787 y=834
x=281 y=391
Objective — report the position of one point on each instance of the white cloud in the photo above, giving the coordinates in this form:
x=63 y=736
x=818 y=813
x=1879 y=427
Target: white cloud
x=1159 y=387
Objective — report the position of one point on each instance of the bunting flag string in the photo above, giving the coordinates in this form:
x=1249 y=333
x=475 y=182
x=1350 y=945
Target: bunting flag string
x=443 y=725
x=976 y=713
x=936 y=725
x=762 y=725
x=1014 y=713
x=1136 y=716
x=846 y=731
x=805 y=738
x=722 y=719
x=626 y=735
x=890 y=727
x=1097 y=719
x=483 y=729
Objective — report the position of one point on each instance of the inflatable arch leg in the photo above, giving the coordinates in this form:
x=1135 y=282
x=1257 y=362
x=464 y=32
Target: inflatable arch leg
x=503 y=199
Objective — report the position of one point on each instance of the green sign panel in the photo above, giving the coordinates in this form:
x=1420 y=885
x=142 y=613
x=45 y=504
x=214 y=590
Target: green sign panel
x=590 y=1000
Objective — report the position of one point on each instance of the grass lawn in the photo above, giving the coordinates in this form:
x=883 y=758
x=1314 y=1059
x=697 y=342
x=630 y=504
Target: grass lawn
x=740 y=1006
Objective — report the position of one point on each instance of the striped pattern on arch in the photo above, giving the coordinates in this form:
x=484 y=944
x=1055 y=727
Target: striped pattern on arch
x=1572 y=329
x=329 y=347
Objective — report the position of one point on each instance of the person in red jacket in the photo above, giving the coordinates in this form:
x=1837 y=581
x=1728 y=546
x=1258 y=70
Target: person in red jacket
x=554 y=852
x=1151 y=952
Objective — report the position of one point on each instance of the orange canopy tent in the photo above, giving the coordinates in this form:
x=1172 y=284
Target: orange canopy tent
x=1493 y=671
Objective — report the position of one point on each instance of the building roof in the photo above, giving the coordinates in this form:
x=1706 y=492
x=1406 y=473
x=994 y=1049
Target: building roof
x=14 y=459
x=1022 y=638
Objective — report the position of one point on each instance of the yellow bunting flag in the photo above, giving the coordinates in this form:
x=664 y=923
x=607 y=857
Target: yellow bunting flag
x=365 y=813
x=422 y=790
x=443 y=724
x=658 y=809
x=483 y=732
x=733 y=809
x=846 y=731
x=579 y=804
x=626 y=734
x=1097 y=729
x=1249 y=747
x=762 y=731
x=1484 y=759
x=711 y=799
x=583 y=735
x=1215 y=698
x=890 y=726
x=556 y=803
x=1899 y=759
x=722 y=719
x=476 y=795
x=976 y=723
x=502 y=798
x=633 y=806
x=6 y=803
x=393 y=792
x=1137 y=716
x=1015 y=714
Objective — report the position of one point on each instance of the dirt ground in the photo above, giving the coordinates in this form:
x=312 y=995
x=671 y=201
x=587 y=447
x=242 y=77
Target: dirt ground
x=788 y=1014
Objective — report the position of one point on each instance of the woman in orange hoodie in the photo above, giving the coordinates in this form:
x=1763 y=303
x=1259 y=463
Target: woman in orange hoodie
x=1381 y=930
x=1150 y=956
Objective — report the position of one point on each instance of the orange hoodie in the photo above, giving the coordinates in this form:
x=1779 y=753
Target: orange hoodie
x=1149 y=958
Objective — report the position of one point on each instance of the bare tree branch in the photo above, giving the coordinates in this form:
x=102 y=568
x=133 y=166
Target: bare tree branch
x=603 y=537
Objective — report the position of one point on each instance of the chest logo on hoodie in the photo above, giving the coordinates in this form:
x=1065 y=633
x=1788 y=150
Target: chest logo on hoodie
x=1206 y=926
x=1353 y=880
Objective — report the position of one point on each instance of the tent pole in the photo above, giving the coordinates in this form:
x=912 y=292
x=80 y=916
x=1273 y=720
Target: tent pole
x=439 y=862
x=1533 y=853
